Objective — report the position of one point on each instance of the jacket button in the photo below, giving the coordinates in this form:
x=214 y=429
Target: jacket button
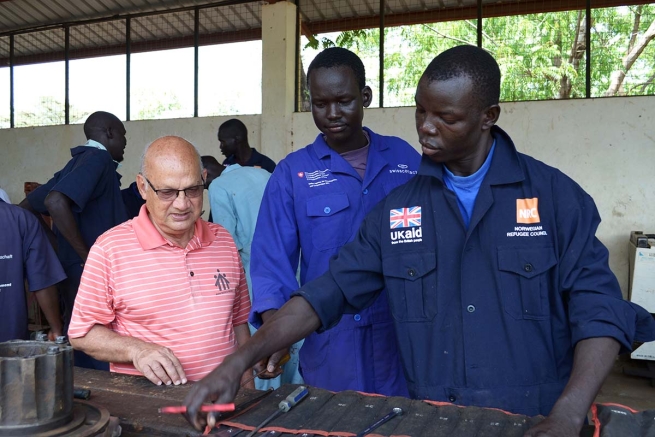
x=365 y=191
x=452 y=398
x=357 y=317
x=411 y=272
x=470 y=308
x=327 y=210
x=191 y=273
x=527 y=267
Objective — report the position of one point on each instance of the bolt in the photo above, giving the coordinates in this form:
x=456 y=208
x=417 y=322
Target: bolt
x=41 y=336
x=53 y=350
x=61 y=339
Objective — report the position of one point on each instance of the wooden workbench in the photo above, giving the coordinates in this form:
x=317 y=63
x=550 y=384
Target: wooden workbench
x=135 y=401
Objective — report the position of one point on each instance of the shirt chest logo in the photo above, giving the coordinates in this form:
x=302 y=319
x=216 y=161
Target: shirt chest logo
x=406 y=218
x=222 y=282
x=318 y=178
x=527 y=211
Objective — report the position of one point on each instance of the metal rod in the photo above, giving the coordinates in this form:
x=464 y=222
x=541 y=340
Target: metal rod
x=67 y=35
x=381 y=54
x=11 y=81
x=479 y=27
x=298 y=99
x=588 y=50
x=196 y=30
x=128 y=50
x=393 y=413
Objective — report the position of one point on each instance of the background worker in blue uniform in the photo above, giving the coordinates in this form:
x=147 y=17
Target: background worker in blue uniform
x=233 y=140
x=84 y=200
x=313 y=204
x=26 y=255
x=501 y=294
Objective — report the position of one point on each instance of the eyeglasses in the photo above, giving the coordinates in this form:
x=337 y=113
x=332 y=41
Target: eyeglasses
x=169 y=194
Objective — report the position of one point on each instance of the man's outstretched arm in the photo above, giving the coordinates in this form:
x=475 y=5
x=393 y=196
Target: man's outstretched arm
x=294 y=321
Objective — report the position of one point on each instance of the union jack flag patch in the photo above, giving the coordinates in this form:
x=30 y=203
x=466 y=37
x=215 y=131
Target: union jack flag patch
x=405 y=217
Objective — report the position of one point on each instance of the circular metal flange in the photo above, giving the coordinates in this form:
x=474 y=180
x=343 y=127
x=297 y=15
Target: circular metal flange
x=88 y=420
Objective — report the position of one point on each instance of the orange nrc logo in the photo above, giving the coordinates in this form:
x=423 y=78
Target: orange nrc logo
x=527 y=210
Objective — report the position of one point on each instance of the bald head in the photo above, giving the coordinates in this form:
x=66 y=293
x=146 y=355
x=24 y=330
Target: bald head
x=171 y=182
x=170 y=153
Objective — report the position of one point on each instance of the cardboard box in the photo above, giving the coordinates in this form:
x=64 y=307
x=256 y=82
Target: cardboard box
x=642 y=270
x=642 y=283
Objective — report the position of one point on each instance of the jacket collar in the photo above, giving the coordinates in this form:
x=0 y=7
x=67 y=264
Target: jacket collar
x=505 y=166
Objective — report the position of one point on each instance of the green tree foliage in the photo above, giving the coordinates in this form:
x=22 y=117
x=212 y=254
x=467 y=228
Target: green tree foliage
x=541 y=56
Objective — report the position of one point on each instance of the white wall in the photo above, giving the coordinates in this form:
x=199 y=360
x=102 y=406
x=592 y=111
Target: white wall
x=35 y=154
x=606 y=145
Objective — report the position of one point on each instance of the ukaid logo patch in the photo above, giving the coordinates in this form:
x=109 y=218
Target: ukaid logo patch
x=406 y=225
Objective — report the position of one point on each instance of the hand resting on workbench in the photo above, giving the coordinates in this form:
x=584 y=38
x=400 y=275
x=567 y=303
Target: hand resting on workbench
x=157 y=363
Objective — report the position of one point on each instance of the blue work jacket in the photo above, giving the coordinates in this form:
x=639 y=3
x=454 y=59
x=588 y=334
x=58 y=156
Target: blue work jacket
x=487 y=316
x=314 y=203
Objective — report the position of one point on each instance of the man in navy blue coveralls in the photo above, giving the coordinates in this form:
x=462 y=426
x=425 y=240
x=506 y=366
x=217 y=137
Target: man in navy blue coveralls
x=313 y=204
x=501 y=294
x=26 y=255
x=84 y=200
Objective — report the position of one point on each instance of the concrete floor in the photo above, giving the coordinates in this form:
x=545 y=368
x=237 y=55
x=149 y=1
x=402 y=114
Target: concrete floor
x=632 y=391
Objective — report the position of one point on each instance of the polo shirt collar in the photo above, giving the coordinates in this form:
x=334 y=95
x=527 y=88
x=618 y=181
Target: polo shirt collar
x=505 y=166
x=150 y=238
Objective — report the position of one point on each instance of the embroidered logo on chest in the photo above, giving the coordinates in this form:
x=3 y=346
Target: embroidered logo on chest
x=222 y=282
x=406 y=218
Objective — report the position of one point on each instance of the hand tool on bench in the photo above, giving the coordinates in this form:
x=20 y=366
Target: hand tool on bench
x=288 y=403
x=395 y=412
x=285 y=359
x=207 y=408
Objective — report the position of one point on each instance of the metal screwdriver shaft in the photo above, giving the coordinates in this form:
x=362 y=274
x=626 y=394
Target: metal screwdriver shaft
x=395 y=412
x=289 y=402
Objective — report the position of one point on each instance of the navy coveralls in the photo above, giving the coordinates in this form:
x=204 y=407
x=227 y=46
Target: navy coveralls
x=90 y=180
x=487 y=316
x=314 y=203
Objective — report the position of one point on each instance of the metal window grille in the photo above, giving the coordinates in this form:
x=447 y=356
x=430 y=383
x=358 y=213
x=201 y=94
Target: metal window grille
x=230 y=60
x=97 y=78
x=39 y=78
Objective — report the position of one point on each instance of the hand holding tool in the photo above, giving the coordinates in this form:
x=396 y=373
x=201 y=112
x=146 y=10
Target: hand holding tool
x=289 y=402
x=395 y=412
x=205 y=408
x=285 y=359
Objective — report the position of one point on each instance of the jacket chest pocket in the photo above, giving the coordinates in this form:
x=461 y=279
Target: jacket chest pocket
x=412 y=286
x=525 y=281
x=329 y=220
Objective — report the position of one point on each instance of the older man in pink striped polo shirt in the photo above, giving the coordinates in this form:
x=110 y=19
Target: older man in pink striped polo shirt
x=163 y=295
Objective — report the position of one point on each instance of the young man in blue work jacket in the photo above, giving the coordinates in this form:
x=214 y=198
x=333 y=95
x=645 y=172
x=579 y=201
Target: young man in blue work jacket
x=501 y=294
x=314 y=203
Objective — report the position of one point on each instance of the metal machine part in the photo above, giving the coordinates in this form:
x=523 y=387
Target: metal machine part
x=36 y=392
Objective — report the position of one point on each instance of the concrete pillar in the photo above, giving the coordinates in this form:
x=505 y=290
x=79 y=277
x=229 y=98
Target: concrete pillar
x=278 y=78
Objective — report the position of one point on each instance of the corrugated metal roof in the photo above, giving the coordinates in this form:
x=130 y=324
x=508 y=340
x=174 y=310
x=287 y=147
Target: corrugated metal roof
x=219 y=22
x=20 y=14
